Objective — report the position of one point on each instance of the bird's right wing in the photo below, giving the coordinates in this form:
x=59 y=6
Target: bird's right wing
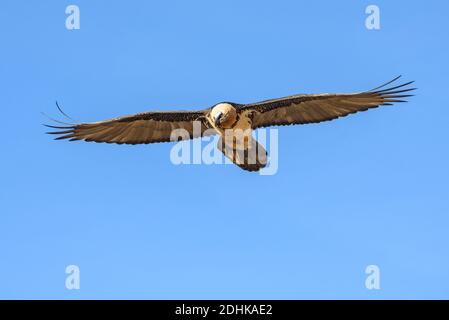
x=142 y=128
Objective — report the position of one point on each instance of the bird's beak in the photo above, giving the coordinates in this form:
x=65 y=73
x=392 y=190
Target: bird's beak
x=218 y=118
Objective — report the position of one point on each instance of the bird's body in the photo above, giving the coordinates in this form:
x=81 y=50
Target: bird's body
x=234 y=122
x=234 y=125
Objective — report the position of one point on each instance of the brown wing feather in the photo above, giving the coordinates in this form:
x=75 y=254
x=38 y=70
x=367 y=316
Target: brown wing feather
x=314 y=108
x=142 y=128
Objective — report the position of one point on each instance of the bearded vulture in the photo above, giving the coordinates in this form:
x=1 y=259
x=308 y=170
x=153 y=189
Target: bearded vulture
x=228 y=118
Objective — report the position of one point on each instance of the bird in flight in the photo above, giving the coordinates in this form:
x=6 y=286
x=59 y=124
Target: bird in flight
x=234 y=122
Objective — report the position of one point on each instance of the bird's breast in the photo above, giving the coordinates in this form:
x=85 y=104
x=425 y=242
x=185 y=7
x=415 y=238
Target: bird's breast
x=240 y=135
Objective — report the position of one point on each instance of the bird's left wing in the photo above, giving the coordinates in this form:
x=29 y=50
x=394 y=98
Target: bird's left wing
x=142 y=128
x=314 y=108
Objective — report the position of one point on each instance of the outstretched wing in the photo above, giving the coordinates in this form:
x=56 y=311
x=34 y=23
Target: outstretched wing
x=142 y=128
x=314 y=108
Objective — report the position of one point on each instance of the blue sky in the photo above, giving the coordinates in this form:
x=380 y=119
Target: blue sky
x=366 y=189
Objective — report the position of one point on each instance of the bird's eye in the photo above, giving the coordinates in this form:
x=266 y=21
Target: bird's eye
x=219 y=118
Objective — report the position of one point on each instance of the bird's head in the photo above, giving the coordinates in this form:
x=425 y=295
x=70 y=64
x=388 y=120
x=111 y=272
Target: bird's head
x=224 y=115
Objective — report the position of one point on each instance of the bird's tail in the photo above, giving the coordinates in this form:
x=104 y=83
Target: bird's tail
x=252 y=158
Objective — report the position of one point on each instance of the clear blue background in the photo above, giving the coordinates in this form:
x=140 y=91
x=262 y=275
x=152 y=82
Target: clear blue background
x=367 y=189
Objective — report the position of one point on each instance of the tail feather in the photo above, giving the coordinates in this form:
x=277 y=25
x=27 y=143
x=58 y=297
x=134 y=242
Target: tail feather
x=253 y=158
